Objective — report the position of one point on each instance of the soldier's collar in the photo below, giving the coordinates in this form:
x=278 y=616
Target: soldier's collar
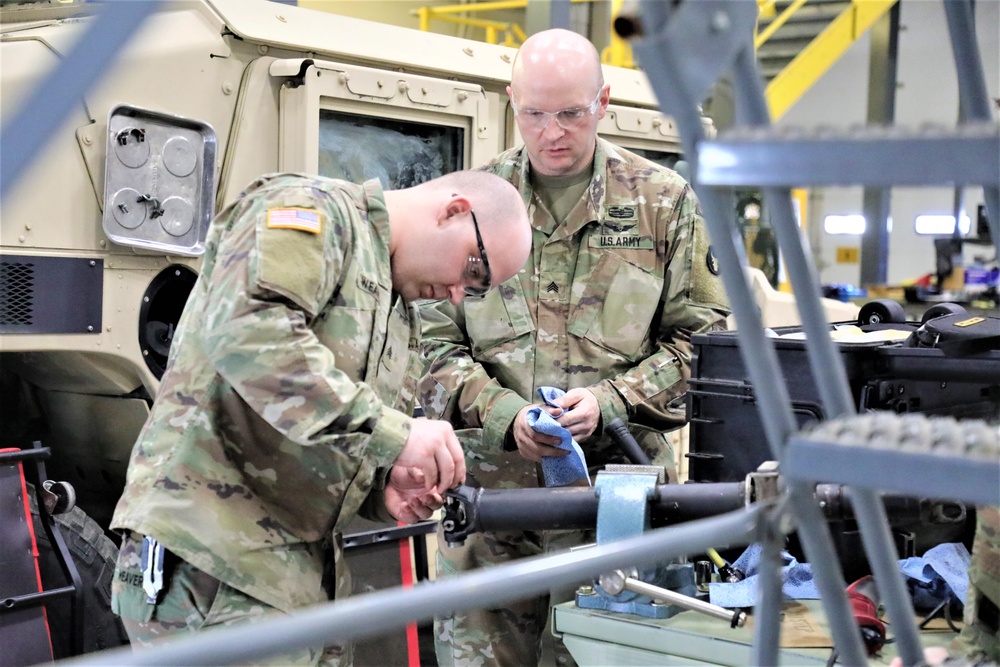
x=558 y=182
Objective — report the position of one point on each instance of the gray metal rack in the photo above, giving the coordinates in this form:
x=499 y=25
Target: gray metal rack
x=686 y=47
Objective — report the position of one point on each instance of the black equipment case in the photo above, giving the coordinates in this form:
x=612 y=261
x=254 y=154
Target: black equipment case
x=961 y=380
x=727 y=438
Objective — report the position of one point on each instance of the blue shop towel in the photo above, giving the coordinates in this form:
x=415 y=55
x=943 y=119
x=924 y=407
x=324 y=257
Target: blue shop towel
x=797 y=578
x=558 y=470
x=940 y=573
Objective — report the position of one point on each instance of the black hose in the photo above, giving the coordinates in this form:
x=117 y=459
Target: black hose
x=620 y=434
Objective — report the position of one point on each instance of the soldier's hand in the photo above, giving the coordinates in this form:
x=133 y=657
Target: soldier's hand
x=532 y=444
x=434 y=450
x=582 y=412
x=933 y=655
x=406 y=497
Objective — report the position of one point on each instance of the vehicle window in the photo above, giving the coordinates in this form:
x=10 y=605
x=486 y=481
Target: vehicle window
x=662 y=158
x=399 y=153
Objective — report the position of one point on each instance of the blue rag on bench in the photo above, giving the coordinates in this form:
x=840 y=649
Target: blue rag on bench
x=942 y=572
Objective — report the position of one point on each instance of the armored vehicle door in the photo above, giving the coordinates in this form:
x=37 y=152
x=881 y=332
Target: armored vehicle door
x=357 y=123
x=643 y=131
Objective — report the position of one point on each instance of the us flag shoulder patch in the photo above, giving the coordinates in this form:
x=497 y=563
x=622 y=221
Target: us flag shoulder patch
x=302 y=219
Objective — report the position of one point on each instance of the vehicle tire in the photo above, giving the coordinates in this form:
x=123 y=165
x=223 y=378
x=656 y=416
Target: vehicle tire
x=942 y=309
x=881 y=311
x=94 y=555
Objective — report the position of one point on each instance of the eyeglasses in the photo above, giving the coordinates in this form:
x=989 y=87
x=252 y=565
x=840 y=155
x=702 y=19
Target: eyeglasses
x=567 y=119
x=478 y=281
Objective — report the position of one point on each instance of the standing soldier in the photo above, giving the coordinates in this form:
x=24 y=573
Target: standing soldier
x=621 y=274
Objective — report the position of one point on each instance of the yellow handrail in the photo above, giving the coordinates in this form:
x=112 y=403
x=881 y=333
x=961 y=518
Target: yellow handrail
x=479 y=6
x=776 y=23
x=492 y=28
x=765 y=8
x=820 y=54
x=444 y=13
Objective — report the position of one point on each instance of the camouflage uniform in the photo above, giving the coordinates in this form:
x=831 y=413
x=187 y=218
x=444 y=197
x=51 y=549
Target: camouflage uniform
x=287 y=397
x=980 y=638
x=608 y=301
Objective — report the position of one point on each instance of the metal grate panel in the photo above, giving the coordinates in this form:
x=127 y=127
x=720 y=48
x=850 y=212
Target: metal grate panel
x=17 y=287
x=50 y=295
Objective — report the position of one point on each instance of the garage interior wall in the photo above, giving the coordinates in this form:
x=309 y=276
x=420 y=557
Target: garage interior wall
x=927 y=93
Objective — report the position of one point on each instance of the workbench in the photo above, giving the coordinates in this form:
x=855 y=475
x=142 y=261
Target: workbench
x=601 y=639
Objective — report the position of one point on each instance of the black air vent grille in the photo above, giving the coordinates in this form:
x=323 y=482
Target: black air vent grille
x=17 y=290
x=51 y=295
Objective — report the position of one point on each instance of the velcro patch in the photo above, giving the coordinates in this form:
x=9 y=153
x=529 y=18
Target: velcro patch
x=302 y=219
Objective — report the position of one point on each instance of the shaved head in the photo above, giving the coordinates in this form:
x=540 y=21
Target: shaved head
x=559 y=53
x=502 y=214
x=555 y=71
x=442 y=227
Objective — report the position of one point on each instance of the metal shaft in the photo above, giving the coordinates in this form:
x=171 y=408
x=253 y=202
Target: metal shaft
x=736 y=617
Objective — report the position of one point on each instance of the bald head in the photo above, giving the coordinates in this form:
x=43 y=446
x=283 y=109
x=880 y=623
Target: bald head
x=559 y=54
x=457 y=234
x=557 y=76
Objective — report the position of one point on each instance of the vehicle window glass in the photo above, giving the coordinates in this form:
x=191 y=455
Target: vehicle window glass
x=399 y=153
x=662 y=158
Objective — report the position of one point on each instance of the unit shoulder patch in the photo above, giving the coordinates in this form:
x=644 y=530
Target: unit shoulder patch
x=711 y=262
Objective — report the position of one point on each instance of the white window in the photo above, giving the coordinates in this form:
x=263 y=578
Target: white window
x=941 y=224
x=844 y=224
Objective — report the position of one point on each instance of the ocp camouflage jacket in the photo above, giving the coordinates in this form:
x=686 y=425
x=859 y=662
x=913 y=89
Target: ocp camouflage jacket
x=285 y=393
x=608 y=300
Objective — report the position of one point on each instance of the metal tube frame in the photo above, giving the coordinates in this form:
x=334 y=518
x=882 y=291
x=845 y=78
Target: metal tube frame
x=828 y=370
x=698 y=27
x=374 y=613
x=669 y=31
x=767 y=621
x=882 y=76
x=678 y=83
x=973 y=94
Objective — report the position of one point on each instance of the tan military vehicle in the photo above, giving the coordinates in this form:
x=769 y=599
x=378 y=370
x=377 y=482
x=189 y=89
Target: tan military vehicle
x=100 y=240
